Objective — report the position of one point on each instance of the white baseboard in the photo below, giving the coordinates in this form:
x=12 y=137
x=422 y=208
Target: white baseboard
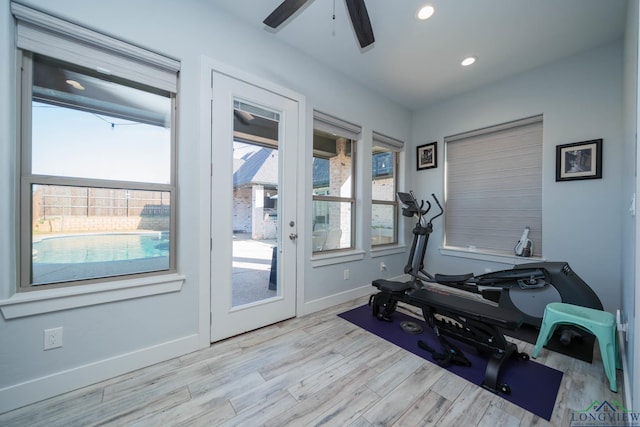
x=331 y=300
x=42 y=388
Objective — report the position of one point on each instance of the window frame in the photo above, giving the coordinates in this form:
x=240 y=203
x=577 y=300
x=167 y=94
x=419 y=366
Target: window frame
x=337 y=199
x=33 y=24
x=325 y=123
x=393 y=202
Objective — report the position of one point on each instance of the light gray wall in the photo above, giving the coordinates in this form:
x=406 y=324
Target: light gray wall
x=581 y=99
x=130 y=334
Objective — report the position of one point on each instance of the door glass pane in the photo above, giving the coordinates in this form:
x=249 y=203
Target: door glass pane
x=255 y=204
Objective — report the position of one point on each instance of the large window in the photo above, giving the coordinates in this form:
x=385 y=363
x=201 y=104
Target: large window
x=384 y=186
x=494 y=187
x=97 y=148
x=334 y=143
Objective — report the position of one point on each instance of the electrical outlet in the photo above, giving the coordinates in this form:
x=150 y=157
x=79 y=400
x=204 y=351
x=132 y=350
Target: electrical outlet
x=346 y=274
x=52 y=338
x=383 y=266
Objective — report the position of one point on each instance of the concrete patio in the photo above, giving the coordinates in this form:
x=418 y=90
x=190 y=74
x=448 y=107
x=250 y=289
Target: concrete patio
x=251 y=269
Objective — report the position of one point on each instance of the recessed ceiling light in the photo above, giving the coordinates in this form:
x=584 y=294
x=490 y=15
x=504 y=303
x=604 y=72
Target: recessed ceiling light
x=468 y=61
x=74 y=84
x=425 y=12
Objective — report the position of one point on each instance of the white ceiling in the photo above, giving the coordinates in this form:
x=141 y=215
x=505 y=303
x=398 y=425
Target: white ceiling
x=416 y=63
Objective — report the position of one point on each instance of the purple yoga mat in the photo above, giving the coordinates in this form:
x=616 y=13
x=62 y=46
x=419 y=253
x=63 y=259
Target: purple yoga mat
x=534 y=387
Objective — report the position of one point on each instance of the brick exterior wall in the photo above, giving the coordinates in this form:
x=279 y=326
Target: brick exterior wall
x=341 y=184
x=241 y=210
x=250 y=215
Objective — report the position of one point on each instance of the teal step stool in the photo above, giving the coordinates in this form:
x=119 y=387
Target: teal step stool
x=597 y=322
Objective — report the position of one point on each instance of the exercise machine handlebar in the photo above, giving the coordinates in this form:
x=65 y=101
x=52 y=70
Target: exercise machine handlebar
x=411 y=208
x=439 y=207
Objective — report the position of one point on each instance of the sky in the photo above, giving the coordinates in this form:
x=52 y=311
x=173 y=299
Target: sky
x=92 y=148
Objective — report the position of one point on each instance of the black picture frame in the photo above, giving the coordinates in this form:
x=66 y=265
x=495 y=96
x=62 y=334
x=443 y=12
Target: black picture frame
x=427 y=156
x=579 y=160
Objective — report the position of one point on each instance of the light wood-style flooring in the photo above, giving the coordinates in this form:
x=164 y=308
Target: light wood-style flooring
x=308 y=371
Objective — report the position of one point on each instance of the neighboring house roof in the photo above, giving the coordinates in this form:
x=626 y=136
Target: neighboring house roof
x=382 y=164
x=320 y=173
x=258 y=167
x=261 y=167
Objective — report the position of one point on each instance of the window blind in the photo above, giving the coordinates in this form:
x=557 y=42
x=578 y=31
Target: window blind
x=380 y=140
x=54 y=37
x=332 y=125
x=494 y=187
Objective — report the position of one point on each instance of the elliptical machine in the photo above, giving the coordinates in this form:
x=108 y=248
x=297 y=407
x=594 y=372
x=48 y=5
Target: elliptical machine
x=470 y=320
x=526 y=288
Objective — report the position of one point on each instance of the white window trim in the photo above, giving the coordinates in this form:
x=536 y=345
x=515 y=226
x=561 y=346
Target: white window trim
x=321 y=259
x=380 y=140
x=25 y=304
x=334 y=125
x=380 y=251
x=488 y=256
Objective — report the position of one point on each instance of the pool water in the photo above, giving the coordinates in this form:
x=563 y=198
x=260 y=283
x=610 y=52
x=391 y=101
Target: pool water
x=100 y=248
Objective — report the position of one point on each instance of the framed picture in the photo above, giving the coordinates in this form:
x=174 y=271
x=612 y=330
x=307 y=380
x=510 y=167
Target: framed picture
x=427 y=156
x=579 y=160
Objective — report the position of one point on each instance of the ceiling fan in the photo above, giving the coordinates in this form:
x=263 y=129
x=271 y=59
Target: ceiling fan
x=357 y=13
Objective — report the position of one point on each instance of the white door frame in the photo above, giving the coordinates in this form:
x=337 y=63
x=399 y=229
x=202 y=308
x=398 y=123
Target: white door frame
x=208 y=66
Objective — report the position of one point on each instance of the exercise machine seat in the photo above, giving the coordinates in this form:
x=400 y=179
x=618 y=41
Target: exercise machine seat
x=597 y=322
x=391 y=286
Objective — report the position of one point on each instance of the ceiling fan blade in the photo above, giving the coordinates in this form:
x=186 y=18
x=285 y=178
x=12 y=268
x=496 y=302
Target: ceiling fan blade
x=360 y=21
x=283 y=12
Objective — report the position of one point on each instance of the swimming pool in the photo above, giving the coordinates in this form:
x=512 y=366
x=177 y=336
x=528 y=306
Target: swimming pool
x=100 y=248
x=90 y=256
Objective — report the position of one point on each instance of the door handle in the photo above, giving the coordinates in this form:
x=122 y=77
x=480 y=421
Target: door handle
x=293 y=236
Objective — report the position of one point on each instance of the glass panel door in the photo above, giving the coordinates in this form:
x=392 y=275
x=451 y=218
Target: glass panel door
x=255 y=134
